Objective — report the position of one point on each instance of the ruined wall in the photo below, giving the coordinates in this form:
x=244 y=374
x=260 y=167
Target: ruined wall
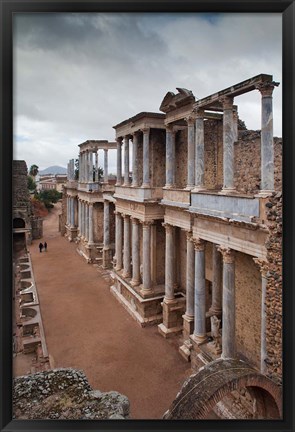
x=37 y=227
x=213 y=157
x=274 y=288
x=20 y=193
x=181 y=159
x=248 y=308
x=157 y=157
x=247 y=152
x=98 y=222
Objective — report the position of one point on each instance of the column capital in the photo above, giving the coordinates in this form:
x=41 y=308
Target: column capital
x=227 y=254
x=117 y=213
x=190 y=119
x=266 y=88
x=262 y=265
x=227 y=102
x=169 y=128
x=105 y=150
x=134 y=220
x=119 y=140
x=135 y=134
x=146 y=224
x=168 y=227
x=145 y=130
x=199 y=244
x=125 y=215
x=189 y=235
x=199 y=112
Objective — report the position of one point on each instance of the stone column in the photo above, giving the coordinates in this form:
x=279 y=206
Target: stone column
x=169 y=264
x=228 y=145
x=235 y=122
x=82 y=219
x=76 y=217
x=106 y=224
x=146 y=257
x=79 y=217
x=96 y=166
x=190 y=275
x=199 y=151
x=134 y=160
x=119 y=241
x=263 y=267
x=146 y=182
x=170 y=152
x=87 y=221
x=106 y=175
x=72 y=213
x=228 y=304
x=90 y=228
x=127 y=261
x=90 y=166
x=216 y=307
x=190 y=152
x=119 y=161
x=200 y=335
x=135 y=252
x=126 y=161
x=267 y=148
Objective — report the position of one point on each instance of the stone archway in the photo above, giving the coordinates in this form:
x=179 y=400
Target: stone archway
x=215 y=381
x=19 y=223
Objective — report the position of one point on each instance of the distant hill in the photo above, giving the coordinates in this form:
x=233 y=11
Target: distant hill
x=53 y=170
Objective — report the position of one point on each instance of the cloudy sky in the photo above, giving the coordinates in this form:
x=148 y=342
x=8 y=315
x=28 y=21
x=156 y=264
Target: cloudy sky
x=78 y=75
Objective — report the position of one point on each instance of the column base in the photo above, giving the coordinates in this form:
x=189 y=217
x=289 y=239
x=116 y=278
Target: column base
x=134 y=283
x=173 y=310
x=198 y=339
x=264 y=193
x=126 y=275
x=199 y=189
x=185 y=350
x=145 y=293
x=189 y=187
x=145 y=186
x=168 y=332
x=107 y=258
x=227 y=191
x=188 y=325
x=212 y=311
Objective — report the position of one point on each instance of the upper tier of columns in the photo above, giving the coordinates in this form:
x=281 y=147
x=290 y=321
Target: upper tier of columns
x=88 y=168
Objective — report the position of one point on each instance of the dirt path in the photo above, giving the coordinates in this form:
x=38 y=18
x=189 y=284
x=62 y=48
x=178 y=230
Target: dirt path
x=87 y=328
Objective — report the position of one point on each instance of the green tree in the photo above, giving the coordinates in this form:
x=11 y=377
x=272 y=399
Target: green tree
x=48 y=197
x=31 y=183
x=34 y=169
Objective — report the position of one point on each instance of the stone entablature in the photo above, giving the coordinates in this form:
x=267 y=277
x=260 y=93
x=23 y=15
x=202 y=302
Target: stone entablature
x=139 y=122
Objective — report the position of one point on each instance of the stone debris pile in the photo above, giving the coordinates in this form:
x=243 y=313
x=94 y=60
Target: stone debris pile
x=65 y=394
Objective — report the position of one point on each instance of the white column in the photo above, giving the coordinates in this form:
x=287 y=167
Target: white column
x=169 y=263
x=228 y=304
x=146 y=256
x=135 y=252
x=119 y=241
x=228 y=145
x=190 y=275
x=126 y=161
x=263 y=267
x=216 y=306
x=200 y=335
x=190 y=152
x=106 y=175
x=119 y=161
x=135 y=160
x=126 y=255
x=146 y=182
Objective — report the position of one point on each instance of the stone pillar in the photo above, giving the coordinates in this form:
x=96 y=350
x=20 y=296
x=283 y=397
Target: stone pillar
x=188 y=317
x=76 y=217
x=90 y=224
x=190 y=152
x=228 y=304
x=82 y=219
x=105 y=174
x=146 y=182
x=126 y=161
x=263 y=267
x=135 y=252
x=216 y=307
x=267 y=148
x=200 y=335
x=90 y=166
x=134 y=160
x=119 y=241
x=235 y=123
x=199 y=151
x=119 y=161
x=127 y=261
x=169 y=264
x=154 y=254
x=106 y=224
x=96 y=166
x=228 y=145
x=170 y=153
x=87 y=221
x=72 y=212
x=146 y=257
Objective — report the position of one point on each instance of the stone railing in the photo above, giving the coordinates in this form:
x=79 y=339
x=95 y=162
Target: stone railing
x=176 y=197
x=138 y=193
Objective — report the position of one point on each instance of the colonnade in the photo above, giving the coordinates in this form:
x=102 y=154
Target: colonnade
x=196 y=140
x=128 y=250
x=71 y=211
x=87 y=166
x=125 y=181
x=85 y=210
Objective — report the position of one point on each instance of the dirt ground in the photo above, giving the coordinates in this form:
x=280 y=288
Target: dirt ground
x=86 y=328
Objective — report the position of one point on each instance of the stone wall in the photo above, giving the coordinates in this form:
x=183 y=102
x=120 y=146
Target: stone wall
x=248 y=308
x=37 y=227
x=98 y=222
x=274 y=288
x=20 y=192
x=181 y=159
x=157 y=157
x=160 y=253
x=213 y=157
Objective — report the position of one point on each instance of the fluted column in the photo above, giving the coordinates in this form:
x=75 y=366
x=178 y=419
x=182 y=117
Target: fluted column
x=146 y=158
x=146 y=256
x=170 y=160
x=72 y=213
x=263 y=268
x=228 y=145
x=119 y=161
x=119 y=241
x=228 y=304
x=267 y=148
x=200 y=335
x=106 y=223
x=190 y=152
x=135 y=160
x=126 y=161
x=90 y=224
x=216 y=306
x=169 y=264
x=105 y=174
x=199 y=151
x=190 y=275
x=126 y=257
x=135 y=252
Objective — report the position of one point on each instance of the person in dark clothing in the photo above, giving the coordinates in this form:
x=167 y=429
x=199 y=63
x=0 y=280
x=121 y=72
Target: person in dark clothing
x=40 y=247
x=45 y=246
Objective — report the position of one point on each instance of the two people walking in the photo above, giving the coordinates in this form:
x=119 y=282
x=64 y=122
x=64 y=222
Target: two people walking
x=41 y=246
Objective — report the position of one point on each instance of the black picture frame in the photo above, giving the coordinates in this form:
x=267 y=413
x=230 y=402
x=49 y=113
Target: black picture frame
x=8 y=8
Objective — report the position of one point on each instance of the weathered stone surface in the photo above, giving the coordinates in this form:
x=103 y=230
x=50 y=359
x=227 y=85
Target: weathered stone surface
x=65 y=394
